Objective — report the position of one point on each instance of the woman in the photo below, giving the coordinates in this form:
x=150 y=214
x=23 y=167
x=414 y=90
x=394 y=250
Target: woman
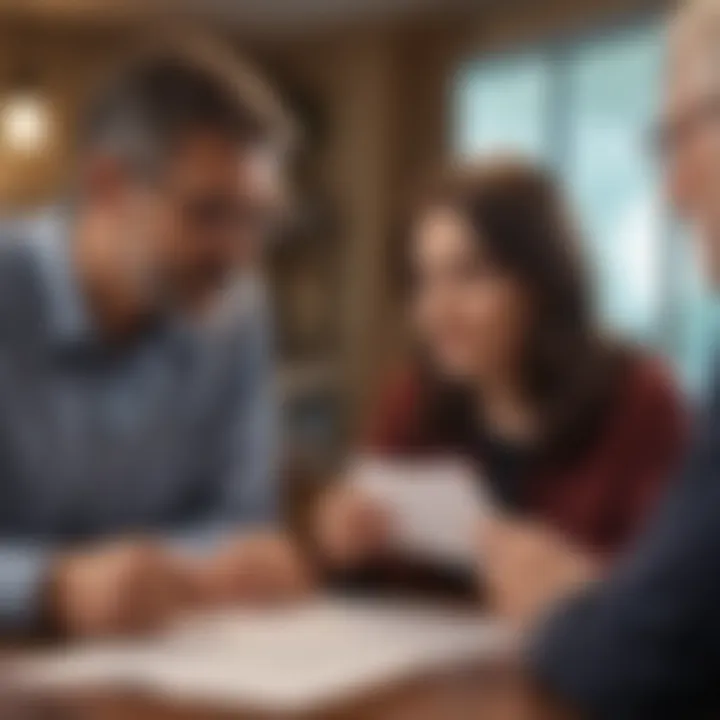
x=565 y=426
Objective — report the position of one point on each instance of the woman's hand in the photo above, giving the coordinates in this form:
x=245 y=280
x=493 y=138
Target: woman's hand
x=527 y=568
x=351 y=527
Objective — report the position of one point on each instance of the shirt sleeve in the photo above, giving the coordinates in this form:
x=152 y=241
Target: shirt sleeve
x=23 y=575
x=645 y=643
x=244 y=466
x=249 y=475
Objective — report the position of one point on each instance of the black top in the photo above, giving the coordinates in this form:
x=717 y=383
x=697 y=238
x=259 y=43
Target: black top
x=505 y=468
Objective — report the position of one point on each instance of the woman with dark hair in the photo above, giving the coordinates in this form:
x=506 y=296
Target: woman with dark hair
x=564 y=425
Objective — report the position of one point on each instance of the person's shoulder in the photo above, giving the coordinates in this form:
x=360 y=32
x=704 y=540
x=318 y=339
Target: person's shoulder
x=21 y=306
x=15 y=238
x=244 y=307
x=397 y=410
x=17 y=261
x=25 y=246
x=23 y=238
x=651 y=400
x=240 y=326
x=402 y=387
x=651 y=381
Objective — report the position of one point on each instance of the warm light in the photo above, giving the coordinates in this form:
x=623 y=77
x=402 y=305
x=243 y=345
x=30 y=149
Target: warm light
x=24 y=122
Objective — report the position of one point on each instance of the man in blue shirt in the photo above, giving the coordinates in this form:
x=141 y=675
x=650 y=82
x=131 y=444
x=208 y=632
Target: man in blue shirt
x=644 y=640
x=137 y=422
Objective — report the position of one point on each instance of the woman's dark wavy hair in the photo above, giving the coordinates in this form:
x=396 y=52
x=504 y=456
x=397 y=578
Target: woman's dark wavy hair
x=569 y=368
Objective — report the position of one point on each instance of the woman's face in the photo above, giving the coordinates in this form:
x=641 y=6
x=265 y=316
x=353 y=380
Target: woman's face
x=470 y=316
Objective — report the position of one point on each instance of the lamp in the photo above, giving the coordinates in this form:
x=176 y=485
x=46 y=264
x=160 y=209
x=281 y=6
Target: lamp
x=25 y=117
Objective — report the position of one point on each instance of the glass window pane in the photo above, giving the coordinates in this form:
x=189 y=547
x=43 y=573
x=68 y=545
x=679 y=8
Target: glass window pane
x=613 y=88
x=502 y=105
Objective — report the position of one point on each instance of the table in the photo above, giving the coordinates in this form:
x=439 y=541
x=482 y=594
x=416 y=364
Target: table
x=485 y=692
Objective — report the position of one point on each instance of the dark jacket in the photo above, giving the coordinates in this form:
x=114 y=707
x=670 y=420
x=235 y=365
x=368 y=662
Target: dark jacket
x=645 y=643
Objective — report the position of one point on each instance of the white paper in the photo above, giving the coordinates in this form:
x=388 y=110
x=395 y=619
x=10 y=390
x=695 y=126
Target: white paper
x=283 y=660
x=436 y=507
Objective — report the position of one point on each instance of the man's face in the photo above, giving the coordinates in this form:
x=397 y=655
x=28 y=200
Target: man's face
x=690 y=138
x=213 y=209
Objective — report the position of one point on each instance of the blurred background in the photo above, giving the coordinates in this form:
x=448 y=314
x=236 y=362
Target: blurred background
x=385 y=90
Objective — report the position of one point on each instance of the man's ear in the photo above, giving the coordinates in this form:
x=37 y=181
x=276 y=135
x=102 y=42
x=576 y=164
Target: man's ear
x=104 y=179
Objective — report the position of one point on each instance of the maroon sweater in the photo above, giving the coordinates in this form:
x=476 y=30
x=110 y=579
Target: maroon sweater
x=599 y=496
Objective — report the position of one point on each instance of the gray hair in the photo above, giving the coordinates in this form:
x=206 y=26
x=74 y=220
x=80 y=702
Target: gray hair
x=161 y=95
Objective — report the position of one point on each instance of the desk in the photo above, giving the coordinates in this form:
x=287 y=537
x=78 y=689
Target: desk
x=490 y=692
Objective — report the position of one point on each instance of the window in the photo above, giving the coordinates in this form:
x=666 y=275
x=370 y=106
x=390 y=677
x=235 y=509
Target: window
x=585 y=109
x=503 y=107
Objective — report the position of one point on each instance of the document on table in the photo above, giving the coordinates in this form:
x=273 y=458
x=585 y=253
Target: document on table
x=436 y=506
x=277 y=660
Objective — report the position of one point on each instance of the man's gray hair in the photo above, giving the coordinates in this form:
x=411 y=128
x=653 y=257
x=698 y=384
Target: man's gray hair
x=174 y=88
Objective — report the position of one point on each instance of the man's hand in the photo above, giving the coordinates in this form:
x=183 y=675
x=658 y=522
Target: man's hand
x=121 y=589
x=262 y=568
x=350 y=527
x=526 y=568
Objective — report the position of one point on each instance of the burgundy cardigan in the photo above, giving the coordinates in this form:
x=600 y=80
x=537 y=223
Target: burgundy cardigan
x=601 y=496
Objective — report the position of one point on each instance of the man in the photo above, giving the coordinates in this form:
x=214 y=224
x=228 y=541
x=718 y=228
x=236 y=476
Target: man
x=136 y=422
x=643 y=642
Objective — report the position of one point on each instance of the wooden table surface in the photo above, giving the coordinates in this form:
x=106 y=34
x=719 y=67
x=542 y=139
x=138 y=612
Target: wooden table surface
x=491 y=692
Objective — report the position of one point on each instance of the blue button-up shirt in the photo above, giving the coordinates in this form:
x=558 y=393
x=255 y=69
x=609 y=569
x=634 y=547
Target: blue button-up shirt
x=173 y=434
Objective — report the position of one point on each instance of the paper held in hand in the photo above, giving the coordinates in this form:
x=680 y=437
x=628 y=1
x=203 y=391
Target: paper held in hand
x=436 y=506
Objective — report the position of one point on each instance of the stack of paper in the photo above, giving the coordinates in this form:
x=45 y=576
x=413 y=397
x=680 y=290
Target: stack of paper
x=286 y=660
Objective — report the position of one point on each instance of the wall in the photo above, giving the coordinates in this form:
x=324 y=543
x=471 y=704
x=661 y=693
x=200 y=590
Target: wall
x=65 y=64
